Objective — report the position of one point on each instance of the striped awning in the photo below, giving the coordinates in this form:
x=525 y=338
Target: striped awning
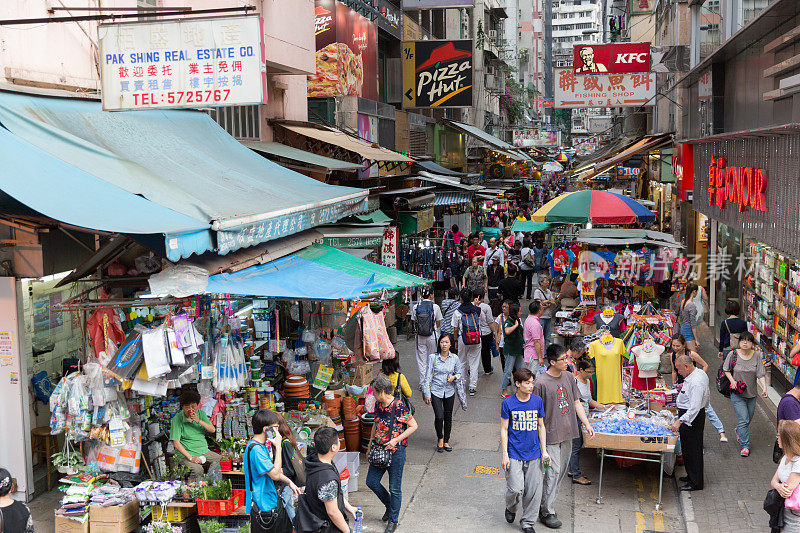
x=451 y=198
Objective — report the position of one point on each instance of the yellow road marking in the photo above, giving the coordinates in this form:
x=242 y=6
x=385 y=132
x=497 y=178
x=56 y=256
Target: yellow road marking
x=658 y=520
x=639 y=522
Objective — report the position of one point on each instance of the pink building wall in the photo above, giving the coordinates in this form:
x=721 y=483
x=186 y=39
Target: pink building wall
x=65 y=54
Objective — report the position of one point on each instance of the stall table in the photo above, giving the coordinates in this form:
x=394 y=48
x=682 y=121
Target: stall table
x=653 y=448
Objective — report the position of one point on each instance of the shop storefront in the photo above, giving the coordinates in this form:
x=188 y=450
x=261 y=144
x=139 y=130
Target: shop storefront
x=746 y=187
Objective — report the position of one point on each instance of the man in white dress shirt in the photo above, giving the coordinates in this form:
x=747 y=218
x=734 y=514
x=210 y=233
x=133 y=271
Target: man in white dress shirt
x=692 y=402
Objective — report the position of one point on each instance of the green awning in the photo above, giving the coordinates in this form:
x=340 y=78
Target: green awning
x=301 y=156
x=318 y=272
x=527 y=225
x=375 y=217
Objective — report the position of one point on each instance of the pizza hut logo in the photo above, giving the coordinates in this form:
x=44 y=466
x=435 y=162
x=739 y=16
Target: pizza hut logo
x=444 y=73
x=322 y=20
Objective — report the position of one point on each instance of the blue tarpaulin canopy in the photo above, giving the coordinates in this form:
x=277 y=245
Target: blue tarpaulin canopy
x=156 y=171
x=318 y=272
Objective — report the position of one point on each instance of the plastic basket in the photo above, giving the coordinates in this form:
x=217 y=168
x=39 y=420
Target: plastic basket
x=172 y=513
x=221 y=507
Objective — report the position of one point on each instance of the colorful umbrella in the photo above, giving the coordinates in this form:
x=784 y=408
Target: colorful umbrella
x=597 y=207
x=562 y=157
x=552 y=166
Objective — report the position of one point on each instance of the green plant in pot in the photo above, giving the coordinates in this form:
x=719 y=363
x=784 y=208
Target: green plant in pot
x=227 y=450
x=68 y=461
x=210 y=526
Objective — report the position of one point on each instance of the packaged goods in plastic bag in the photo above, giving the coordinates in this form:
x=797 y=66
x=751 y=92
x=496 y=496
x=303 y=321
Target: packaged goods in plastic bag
x=309 y=336
x=322 y=349
x=298 y=367
x=179 y=281
x=129 y=356
x=107 y=457
x=156 y=358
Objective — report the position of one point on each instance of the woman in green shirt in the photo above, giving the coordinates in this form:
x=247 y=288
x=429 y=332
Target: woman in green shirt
x=513 y=345
x=188 y=435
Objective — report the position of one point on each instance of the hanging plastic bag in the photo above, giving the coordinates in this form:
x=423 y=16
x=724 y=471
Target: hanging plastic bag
x=176 y=355
x=701 y=308
x=156 y=358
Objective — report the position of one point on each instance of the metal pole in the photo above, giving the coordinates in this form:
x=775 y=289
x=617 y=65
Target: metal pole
x=600 y=481
x=660 y=481
x=179 y=11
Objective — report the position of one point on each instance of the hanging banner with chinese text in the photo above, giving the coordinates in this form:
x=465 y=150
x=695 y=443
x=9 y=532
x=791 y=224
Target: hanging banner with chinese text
x=182 y=63
x=389 y=247
x=604 y=90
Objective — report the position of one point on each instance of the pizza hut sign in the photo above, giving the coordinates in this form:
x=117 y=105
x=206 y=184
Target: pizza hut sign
x=443 y=73
x=740 y=185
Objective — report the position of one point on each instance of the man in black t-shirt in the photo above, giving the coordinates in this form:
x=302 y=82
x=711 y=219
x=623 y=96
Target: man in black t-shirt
x=510 y=288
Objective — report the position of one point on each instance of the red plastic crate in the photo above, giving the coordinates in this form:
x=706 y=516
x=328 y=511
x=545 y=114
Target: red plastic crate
x=221 y=507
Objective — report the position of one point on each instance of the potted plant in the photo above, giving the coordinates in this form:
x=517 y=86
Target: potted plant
x=227 y=449
x=210 y=526
x=68 y=462
x=239 y=446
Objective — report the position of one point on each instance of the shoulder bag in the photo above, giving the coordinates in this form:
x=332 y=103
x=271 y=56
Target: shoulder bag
x=723 y=383
x=378 y=456
x=398 y=394
x=273 y=521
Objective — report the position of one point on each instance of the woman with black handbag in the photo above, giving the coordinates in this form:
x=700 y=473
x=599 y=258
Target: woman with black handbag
x=387 y=448
x=263 y=466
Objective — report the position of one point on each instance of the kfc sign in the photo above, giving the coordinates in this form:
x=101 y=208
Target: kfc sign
x=611 y=58
x=740 y=185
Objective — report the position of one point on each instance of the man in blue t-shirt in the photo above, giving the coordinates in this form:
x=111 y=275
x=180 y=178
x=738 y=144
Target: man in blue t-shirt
x=524 y=445
x=264 y=462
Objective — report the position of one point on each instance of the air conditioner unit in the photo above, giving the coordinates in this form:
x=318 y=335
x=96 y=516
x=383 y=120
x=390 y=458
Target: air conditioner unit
x=492 y=35
x=490 y=82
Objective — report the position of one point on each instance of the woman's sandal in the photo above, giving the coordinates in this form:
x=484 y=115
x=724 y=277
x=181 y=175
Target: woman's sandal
x=448 y=448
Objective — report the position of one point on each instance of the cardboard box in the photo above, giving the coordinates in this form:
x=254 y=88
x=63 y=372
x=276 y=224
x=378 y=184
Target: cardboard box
x=115 y=518
x=631 y=443
x=66 y=525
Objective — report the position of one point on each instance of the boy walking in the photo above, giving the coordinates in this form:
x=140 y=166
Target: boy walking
x=524 y=445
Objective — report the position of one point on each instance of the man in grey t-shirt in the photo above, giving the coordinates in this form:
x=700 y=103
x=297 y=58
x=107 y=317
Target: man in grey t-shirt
x=562 y=402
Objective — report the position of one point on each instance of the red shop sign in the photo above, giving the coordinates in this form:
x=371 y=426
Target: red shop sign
x=741 y=185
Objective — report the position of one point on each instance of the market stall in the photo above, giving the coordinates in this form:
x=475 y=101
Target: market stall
x=298 y=335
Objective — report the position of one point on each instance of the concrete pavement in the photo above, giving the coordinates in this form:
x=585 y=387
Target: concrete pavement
x=464 y=490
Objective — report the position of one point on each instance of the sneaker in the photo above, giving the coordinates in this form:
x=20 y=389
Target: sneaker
x=723 y=438
x=472 y=392
x=510 y=516
x=528 y=530
x=745 y=452
x=550 y=521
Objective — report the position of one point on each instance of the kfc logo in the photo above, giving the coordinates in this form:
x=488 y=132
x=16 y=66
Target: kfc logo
x=620 y=58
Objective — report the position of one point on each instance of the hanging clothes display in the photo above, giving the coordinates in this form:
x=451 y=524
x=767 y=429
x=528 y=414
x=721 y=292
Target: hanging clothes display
x=610 y=319
x=607 y=354
x=560 y=260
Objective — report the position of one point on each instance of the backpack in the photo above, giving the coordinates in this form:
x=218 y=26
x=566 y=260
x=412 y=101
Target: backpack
x=470 y=330
x=528 y=259
x=424 y=318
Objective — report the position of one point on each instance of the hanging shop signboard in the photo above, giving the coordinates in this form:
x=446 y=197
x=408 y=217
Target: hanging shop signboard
x=642 y=7
x=617 y=58
x=604 y=90
x=744 y=186
x=702 y=227
x=683 y=170
x=437 y=74
x=704 y=87
x=281 y=226
x=355 y=241
x=425 y=219
x=347 y=53
x=436 y=4
x=532 y=137
x=389 y=18
x=389 y=247
x=628 y=172
x=182 y=63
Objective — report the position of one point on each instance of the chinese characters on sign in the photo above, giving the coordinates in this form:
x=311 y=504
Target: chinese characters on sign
x=275 y=228
x=604 y=90
x=740 y=185
x=182 y=63
x=389 y=247
x=536 y=138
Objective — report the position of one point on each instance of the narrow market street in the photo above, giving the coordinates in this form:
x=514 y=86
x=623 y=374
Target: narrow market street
x=463 y=490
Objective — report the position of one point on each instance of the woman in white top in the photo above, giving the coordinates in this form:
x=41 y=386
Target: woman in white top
x=584 y=368
x=787 y=476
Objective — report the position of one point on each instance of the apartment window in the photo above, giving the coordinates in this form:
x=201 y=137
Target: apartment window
x=242 y=122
